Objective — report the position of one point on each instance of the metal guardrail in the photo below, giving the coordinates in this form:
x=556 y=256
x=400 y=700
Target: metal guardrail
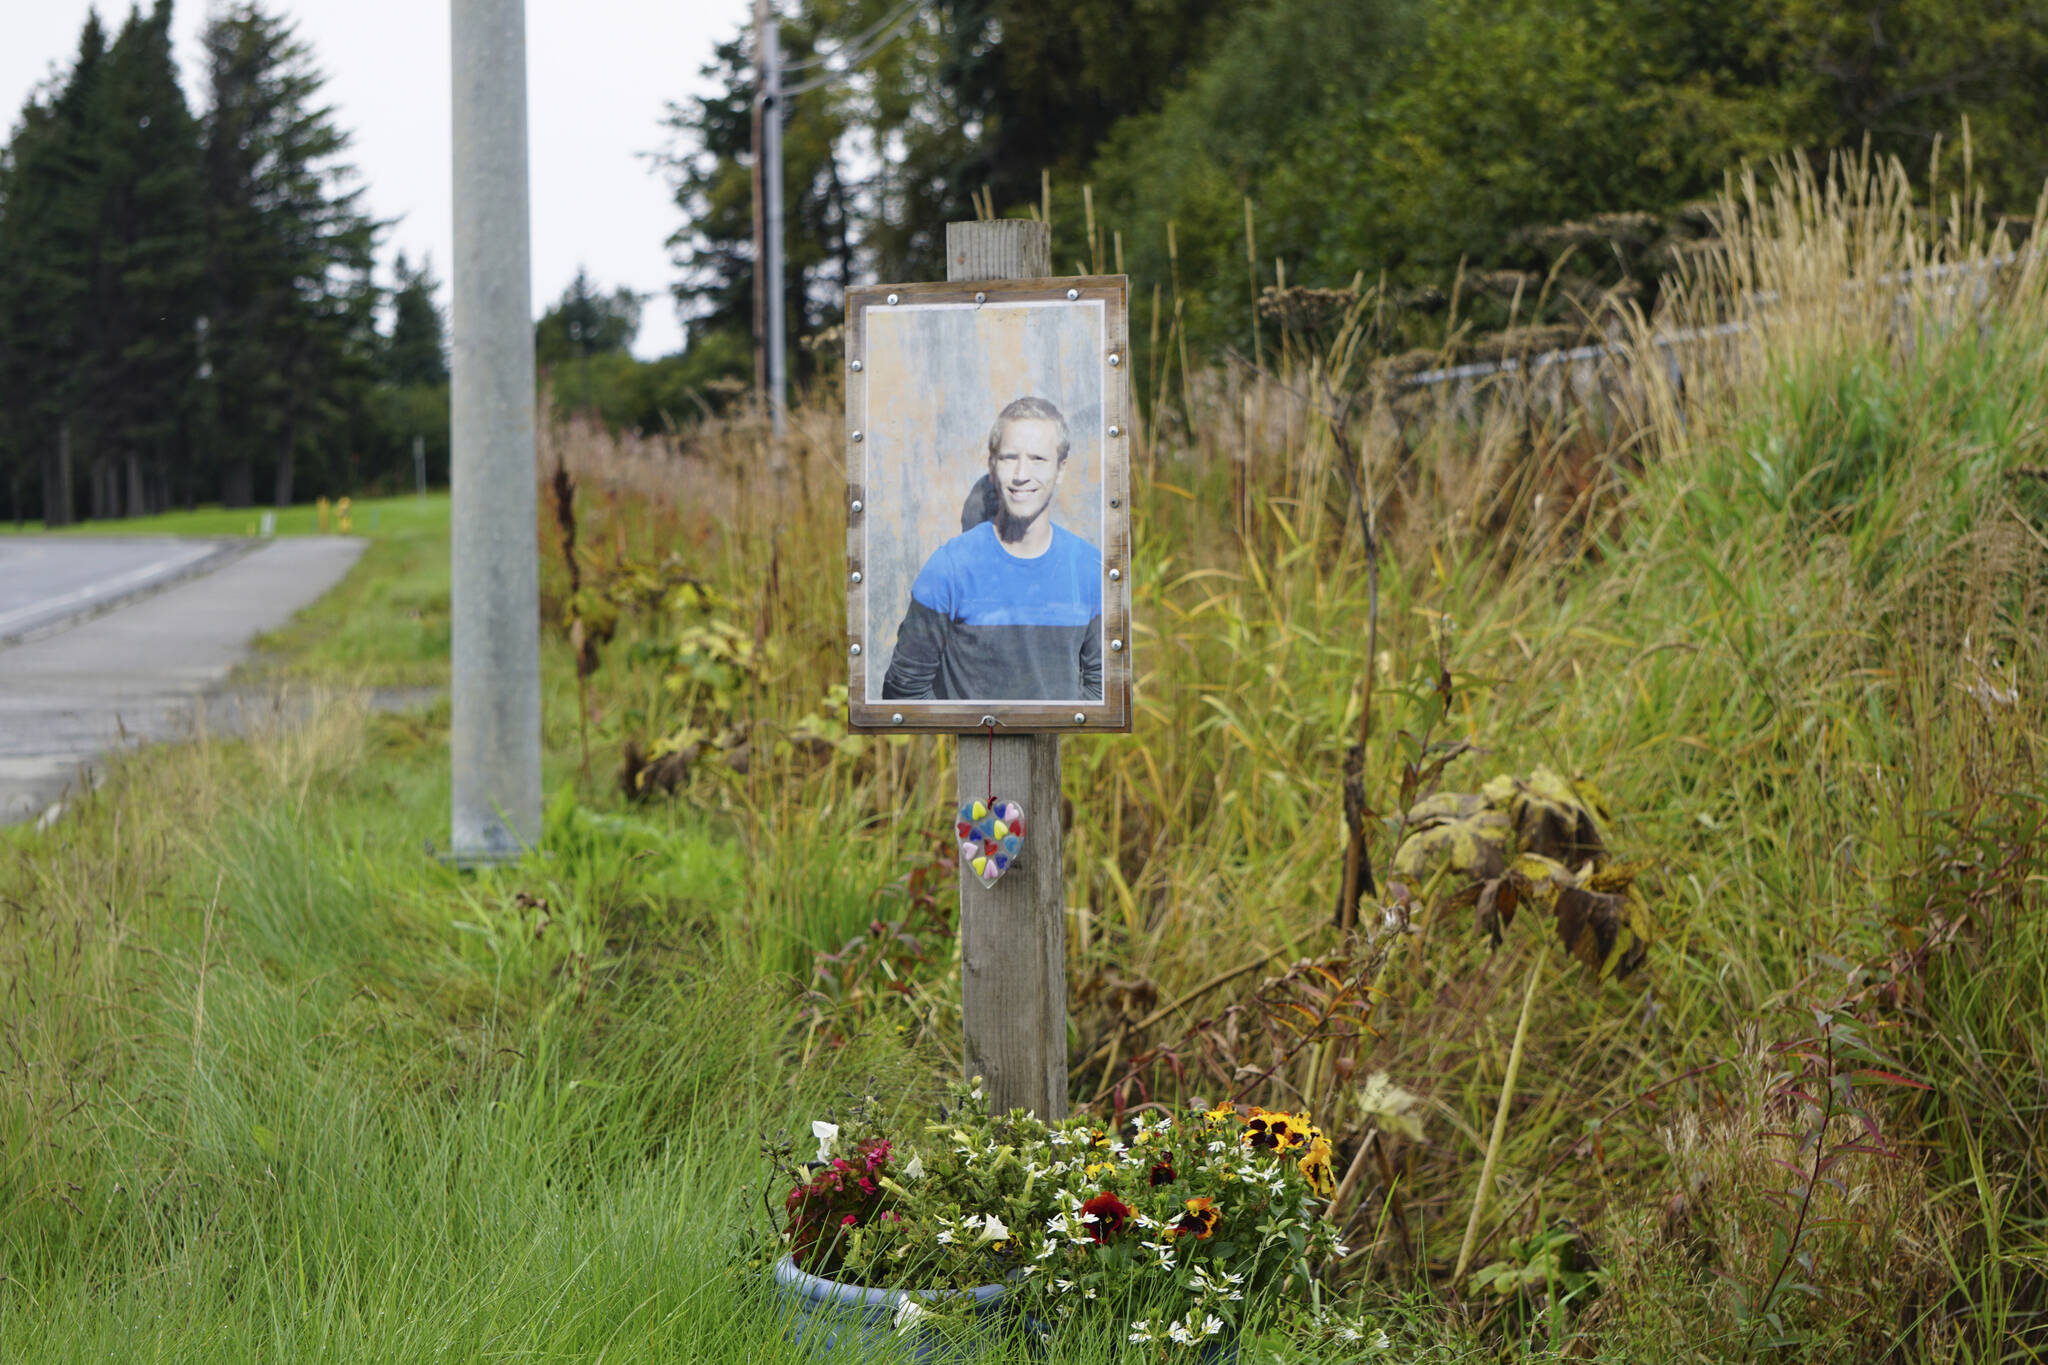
x=1483 y=369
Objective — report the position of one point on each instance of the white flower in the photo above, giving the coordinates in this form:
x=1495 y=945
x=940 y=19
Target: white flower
x=1179 y=1332
x=1063 y=1285
x=992 y=1229
x=1164 y=1250
x=1141 y=1331
x=1046 y=1252
x=1339 y=1249
x=1211 y=1325
x=913 y=1169
x=977 y=1093
x=907 y=1313
x=1208 y=1280
x=1216 y=1146
x=945 y=1237
x=826 y=1134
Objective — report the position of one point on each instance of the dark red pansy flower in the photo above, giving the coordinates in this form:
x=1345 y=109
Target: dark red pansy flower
x=1198 y=1222
x=1162 y=1172
x=1111 y=1214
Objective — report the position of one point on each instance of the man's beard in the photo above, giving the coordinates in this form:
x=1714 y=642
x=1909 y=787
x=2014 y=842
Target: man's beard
x=1011 y=529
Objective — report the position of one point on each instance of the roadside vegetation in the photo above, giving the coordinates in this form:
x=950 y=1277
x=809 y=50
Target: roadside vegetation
x=1770 y=610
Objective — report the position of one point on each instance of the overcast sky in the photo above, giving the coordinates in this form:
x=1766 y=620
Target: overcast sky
x=597 y=77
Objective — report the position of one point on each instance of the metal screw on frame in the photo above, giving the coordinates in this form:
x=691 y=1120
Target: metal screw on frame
x=858 y=438
x=856 y=575
x=893 y=298
x=896 y=719
x=980 y=297
x=857 y=506
x=1073 y=294
x=1115 y=575
x=856 y=367
x=1080 y=719
x=1115 y=359
x=1116 y=646
x=1116 y=431
x=856 y=648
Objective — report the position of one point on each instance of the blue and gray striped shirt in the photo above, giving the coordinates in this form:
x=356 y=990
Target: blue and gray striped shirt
x=986 y=625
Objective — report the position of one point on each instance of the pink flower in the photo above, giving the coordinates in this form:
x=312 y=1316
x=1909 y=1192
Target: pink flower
x=849 y=1221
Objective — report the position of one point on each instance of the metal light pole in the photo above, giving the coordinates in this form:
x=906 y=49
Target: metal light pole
x=768 y=167
x=496 y=587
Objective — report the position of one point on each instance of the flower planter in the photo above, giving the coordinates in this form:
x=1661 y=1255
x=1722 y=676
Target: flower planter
x=856 y=1323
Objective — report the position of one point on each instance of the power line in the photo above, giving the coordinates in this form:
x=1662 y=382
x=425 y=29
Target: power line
x=894 y=16
x=902 y=17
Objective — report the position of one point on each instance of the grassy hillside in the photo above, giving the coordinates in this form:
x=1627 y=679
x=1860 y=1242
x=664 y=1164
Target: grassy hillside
x=278 y=1085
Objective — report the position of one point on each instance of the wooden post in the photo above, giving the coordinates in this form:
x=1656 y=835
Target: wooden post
x=1013 y=935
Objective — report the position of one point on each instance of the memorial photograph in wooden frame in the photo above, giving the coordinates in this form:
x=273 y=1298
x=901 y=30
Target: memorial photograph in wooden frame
x=988 y=516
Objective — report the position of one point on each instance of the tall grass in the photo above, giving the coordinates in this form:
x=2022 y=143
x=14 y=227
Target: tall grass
x=276 y=1084
x=1776 y=594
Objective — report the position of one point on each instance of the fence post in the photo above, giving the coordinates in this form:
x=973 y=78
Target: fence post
x=1013 y=935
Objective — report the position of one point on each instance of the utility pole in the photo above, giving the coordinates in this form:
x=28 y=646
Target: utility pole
x=769 y=373
x=760 y=209
x=496 y=582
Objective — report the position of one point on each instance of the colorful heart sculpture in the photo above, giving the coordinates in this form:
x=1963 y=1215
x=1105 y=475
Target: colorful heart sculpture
x=991 y=836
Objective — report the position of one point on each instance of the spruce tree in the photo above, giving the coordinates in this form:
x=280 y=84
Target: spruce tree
x=140 y=364
x=417 y=352
x=289 y=337
x=49 y=238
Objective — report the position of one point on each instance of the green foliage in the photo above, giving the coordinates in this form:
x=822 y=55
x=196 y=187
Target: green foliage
x=1205 y=1217
x=289 y=339
x=416 y=354
x=143 y=309
x=672 y=392
x=1043 y=82
x=189 y=303
x=586 y=322
x=49 y=228
x=710 y=168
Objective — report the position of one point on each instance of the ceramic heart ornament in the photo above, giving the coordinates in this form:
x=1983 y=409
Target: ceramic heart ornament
x=991 y=836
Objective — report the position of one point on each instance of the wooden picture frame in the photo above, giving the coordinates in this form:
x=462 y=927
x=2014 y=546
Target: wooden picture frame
x=937 y=376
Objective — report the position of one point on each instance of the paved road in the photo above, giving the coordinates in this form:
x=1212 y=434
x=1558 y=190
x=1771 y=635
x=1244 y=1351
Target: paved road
x=47 y=579
x=138 y=672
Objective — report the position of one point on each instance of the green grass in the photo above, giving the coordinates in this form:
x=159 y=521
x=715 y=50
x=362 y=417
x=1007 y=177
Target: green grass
x=371 y=517
x=274 y=1084
x=387 y=624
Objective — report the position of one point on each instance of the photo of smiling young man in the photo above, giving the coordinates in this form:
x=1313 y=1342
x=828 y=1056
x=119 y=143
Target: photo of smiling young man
x=1011 y=608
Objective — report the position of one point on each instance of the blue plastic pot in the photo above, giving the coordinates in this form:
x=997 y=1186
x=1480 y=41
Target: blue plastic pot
x=858 y=1323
